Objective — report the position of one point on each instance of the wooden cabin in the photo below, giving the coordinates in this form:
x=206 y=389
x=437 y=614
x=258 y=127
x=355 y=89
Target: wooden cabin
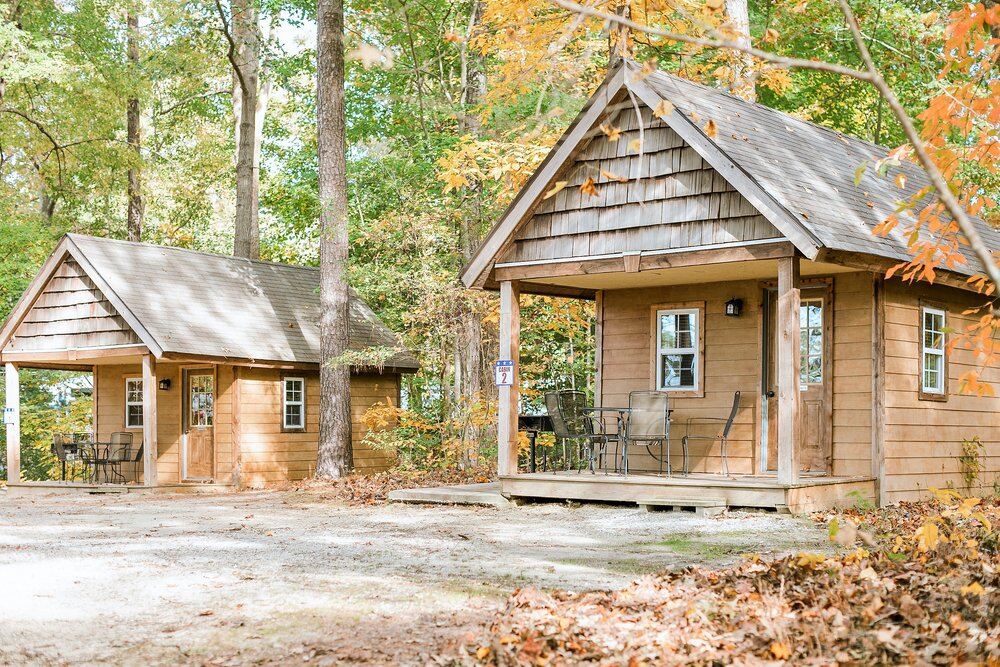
x=751 y=236
x=212 y=362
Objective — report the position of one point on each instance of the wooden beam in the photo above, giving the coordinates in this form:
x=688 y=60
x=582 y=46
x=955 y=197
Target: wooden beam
x=75 y=354
x=788 y=360
x=510 y=335
x=878 y=388
x=13 y=403
x=647 y=261
x=149 y=446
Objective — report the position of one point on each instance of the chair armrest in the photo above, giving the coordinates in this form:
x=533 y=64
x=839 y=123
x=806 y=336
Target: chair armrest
x=705 y=420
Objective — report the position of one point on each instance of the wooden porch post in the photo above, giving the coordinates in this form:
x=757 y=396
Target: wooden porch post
x=149 y=448
x=788 y=360
x=510 y=334
x=13 y=400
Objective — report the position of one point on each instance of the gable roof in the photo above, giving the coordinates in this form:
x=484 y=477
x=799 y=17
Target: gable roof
x=186 y=302
x=799 y=175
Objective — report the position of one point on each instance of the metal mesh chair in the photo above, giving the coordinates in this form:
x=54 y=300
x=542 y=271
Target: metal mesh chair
x=118 y=453
x=722 y=435
x=648 y=424
x=571 y=420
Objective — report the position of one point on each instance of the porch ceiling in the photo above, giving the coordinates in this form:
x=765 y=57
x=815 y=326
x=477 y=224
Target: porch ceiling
x=765 y=269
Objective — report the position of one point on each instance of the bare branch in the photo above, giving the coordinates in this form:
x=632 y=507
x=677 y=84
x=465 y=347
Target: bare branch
x=233 y=48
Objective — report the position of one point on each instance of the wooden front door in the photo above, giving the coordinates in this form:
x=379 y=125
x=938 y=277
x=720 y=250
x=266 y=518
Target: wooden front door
x=815 y=380
x=199 y=423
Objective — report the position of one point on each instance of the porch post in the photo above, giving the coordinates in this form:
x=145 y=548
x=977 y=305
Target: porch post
x=510 y=334
x=13 y=404
x=788 y=360
x=149 y=449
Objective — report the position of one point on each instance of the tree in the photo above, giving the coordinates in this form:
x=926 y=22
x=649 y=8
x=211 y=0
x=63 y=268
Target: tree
x=334 y=451
x=243 y=36
x=134 y=217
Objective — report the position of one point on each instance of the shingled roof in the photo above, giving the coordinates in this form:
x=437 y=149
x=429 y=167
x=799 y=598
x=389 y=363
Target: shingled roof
x=799 y=175
x=195 y=303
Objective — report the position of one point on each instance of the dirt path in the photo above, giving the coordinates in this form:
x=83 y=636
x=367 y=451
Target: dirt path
x=279 y=577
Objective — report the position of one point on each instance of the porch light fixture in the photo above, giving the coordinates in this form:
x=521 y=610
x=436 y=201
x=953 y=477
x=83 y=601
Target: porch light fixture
x=734 y=307
x=164 y=384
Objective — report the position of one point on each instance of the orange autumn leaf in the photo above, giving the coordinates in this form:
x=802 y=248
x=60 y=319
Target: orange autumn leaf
x=588 y=188
x=611 y=132
x=611 y=176
x=780 y=651
x=711 y=129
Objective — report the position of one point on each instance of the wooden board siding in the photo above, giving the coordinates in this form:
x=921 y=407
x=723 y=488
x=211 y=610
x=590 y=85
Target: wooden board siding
x=70 y=313
x=111 y=413
x=272 y=455
x=732 y=363
x=923 y=439
x=852 y=374
x=674 y=200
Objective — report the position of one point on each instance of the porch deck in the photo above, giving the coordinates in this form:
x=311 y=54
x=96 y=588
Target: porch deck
x=75 y=488
x=808 y=494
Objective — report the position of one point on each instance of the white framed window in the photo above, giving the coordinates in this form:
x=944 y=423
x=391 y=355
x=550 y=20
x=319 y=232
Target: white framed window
x=811 y=342
x=133 y=402
x=293 y=403
x=933 y=369
x=678 y=349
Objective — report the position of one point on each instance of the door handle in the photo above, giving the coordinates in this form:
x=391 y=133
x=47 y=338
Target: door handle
x=769 y=394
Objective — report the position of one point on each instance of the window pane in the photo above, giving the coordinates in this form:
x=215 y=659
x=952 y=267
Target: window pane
x=668 y=331
x=293 y=415
x=678 y=370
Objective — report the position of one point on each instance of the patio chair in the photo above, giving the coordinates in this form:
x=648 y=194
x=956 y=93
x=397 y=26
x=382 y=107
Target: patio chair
x=648 y=424
x=722 y=435
x=118 y=453
x=63 y=451
x=570 y=421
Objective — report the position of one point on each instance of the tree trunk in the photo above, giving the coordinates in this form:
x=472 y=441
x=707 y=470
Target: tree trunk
x=135 y=208
x=246 y=68
x=469 y=368
x=743 y=79
x=334 y=452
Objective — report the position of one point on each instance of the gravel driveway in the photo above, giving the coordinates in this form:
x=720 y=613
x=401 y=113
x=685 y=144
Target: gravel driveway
x=272 y=577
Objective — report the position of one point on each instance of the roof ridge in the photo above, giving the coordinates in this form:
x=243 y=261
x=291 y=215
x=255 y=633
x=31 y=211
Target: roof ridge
x=726 y=93
x=105 y=239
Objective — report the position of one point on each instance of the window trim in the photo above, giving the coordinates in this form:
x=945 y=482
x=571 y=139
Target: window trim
x=698 y=309
x=923 y=393
x=128 y=404
x=285 y=428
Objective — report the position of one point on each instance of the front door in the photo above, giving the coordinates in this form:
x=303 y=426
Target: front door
x=815 y=342
x=199 y=421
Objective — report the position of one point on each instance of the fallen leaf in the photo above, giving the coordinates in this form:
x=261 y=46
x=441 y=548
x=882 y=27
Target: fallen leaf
x=611 y=132
x=588 y=188
x=710 y=129
x=780 y=650
x=556 y=189
x=663 y=109
x=611 y=176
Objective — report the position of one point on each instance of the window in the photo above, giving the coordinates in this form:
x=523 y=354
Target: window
x=678 y=349
x=811 y=341
x=201 y=411
x=933 y=369
x=133 y=402
x=294 y=403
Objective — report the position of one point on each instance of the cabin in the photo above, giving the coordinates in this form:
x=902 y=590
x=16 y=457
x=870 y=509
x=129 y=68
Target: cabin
x=210 y=362
x=751 y=238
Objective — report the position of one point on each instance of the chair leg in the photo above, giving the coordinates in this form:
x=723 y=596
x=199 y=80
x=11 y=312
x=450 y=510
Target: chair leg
x=684 y=447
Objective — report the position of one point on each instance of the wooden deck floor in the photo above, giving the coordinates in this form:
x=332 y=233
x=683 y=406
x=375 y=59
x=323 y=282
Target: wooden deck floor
x=810 y=493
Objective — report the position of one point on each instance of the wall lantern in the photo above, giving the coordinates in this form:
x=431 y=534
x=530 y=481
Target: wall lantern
x=734 y=307
x=164 y=384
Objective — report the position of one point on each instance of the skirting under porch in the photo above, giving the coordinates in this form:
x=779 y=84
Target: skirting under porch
x=808 y=494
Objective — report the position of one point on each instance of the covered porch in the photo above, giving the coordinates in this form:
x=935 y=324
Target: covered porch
x=793 y=336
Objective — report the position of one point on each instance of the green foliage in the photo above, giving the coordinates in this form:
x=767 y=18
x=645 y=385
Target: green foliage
x=971 y=460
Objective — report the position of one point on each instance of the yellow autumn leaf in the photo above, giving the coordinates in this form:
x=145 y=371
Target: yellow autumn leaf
x=771 y=35
x=635 y=145
x=663 y=109
x=972 y=589
x=900 y=180
x=482 y=652
x=928 y=537
x=556 y=189
x=710 y=129
x=610 y=131
x=780 y=650
x=611 y=176
x=715 y=5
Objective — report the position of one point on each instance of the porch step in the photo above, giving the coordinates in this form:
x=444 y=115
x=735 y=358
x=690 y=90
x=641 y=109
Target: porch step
x=107 y=489
x=700 y=506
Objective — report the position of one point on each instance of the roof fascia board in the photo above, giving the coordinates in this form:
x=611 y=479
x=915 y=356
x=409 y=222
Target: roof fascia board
x=123 y=310
x=776 y=214
x=34 y=290
x=476 y=271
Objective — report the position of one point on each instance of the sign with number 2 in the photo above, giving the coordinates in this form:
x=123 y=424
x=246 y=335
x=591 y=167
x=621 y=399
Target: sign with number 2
x=505 y=372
